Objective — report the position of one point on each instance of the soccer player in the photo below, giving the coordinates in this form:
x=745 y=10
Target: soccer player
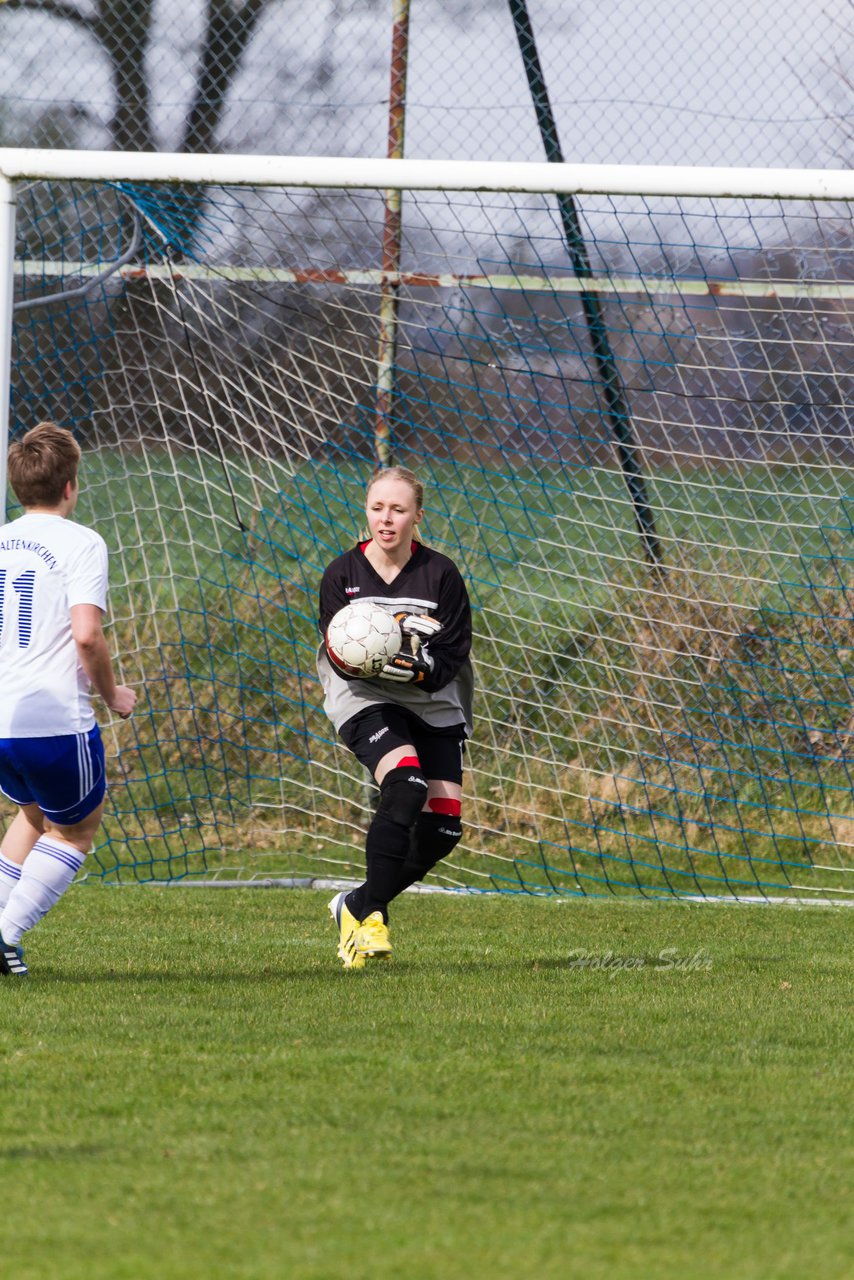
x=407 y=726
x=53 y=594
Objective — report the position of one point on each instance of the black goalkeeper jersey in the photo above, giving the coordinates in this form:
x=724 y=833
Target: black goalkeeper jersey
x=428 y=583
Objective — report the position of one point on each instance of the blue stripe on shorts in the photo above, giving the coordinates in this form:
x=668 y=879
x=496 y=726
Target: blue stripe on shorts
x=65 y=776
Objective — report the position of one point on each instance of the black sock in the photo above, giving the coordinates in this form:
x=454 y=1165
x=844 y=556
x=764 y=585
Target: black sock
x=355 y=900
x=434 y=836
x=386 y=849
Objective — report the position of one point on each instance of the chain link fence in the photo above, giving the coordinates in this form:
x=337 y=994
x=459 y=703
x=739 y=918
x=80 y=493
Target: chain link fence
x=631 y=81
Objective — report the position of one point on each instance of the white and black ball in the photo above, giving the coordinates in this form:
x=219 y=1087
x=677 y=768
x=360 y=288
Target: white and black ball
x=361 y=638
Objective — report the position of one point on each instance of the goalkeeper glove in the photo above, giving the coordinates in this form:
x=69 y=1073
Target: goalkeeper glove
x=418 y=624
x=414 y=665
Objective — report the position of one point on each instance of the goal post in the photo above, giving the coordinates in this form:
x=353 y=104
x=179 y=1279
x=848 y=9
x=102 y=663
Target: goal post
x=366 y=174
x=676 y=725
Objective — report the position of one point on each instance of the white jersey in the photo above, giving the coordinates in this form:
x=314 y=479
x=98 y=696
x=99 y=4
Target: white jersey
x=47 y=565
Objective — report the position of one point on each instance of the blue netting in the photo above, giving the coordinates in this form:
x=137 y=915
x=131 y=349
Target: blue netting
x=680 y=729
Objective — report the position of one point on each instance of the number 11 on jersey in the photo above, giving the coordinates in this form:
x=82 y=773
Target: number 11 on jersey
x=24 y=585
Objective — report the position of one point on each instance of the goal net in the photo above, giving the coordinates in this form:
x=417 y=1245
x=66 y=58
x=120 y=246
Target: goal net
x=628 y=393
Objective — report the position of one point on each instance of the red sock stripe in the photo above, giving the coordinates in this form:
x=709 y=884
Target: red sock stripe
x=408 y=762
x=450 y=808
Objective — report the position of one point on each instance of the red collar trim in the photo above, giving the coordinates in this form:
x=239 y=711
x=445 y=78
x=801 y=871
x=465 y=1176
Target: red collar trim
x=413 y=546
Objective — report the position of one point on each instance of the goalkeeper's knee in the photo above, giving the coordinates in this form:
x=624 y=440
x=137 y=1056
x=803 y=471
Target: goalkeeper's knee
x=402 y=794
x=435 y=836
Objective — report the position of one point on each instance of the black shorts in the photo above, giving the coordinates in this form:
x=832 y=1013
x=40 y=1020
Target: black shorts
x=372 y=733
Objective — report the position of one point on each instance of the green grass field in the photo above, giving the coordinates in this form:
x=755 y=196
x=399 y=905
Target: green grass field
x=531 y=1088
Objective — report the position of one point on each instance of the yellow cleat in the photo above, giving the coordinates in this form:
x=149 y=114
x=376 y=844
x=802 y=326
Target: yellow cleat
x=372 y=940
x=347 y=926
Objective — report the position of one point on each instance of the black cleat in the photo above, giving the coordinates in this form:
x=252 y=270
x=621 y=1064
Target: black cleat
x=11 y=961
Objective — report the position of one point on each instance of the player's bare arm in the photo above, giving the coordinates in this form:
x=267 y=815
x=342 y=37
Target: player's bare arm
x=88 y=632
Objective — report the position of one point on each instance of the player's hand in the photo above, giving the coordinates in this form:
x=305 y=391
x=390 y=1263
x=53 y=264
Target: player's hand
x=412 y=666
x=418 y=624
x=123 y=701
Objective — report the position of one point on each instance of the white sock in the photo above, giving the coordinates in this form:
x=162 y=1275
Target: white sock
x=10 y=874
x=46 y=874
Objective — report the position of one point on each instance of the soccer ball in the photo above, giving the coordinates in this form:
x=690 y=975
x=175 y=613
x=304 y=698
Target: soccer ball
x=361 y=638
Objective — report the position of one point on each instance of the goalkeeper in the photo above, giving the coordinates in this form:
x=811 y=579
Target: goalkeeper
x=407 y=726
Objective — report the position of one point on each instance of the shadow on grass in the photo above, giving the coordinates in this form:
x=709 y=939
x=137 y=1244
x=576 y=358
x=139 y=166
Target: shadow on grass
x=55 y=1151
x=404 y=971
x=322 y=971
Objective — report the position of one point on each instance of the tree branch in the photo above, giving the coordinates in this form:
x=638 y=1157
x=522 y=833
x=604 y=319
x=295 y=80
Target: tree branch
x=227 y=36
x=123 y=28
x=53 y=8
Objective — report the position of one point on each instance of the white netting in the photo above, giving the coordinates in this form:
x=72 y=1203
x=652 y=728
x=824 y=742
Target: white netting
x=661 y=576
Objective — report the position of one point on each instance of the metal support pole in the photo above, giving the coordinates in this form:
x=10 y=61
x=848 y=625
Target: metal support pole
x=392 y=225
x=617 y=409
x=7 y=289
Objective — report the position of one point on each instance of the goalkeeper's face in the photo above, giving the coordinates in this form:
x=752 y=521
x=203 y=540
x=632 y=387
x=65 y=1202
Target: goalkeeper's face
x=392 y=514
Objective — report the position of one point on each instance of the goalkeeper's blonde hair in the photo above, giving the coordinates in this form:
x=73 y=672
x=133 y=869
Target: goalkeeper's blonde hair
x=407 y=477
